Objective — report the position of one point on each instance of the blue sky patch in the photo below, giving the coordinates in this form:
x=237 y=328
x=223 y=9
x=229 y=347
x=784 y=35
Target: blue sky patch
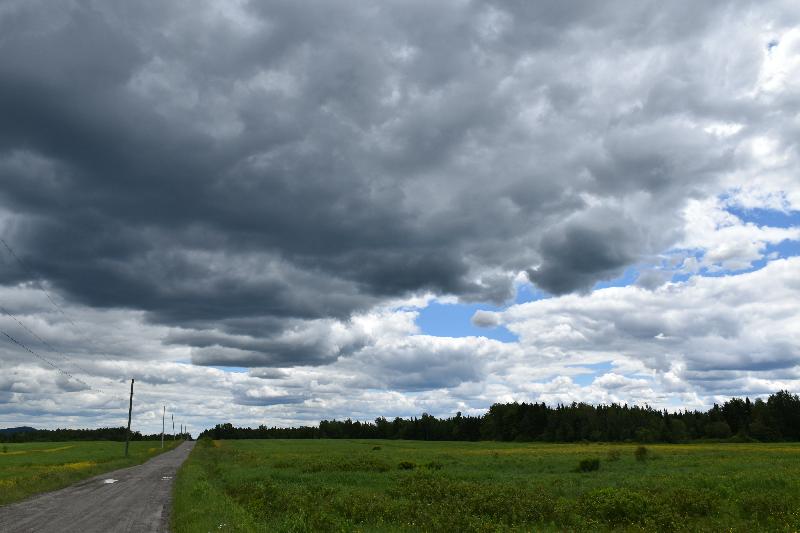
x=455 y=320
x=593 y=370
x=766 y=217
x=627 y=278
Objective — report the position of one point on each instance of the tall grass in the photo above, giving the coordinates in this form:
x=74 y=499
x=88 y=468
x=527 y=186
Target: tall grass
x=328 y=485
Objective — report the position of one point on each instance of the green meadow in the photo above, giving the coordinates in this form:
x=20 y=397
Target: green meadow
x=33 y=467
x=394 y=485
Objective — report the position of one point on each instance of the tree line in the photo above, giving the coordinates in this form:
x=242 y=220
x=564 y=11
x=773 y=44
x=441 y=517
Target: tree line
x=776 y=419
x=56 y=435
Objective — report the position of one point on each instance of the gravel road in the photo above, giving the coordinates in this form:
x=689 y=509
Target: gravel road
x=137 y=501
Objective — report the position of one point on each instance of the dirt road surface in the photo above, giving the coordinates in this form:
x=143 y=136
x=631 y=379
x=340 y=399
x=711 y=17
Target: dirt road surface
x=138 y=500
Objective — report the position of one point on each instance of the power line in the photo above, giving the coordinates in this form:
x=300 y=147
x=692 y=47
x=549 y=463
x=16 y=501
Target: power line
x=38 y=283
x=47 y=344
x=46 y=360
x=41 y=287
x=31 y=332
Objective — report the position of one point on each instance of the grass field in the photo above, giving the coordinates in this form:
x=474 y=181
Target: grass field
x=30 y=468
x=332 y=485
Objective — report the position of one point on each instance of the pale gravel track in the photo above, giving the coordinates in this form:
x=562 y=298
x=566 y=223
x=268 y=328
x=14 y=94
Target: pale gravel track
x=138 y=502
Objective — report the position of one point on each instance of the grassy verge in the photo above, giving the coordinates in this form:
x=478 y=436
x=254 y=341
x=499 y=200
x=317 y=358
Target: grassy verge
x=328 y=485
x=30 y=468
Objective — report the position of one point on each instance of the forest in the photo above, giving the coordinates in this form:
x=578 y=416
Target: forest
x=776 y=419
x=58 y=435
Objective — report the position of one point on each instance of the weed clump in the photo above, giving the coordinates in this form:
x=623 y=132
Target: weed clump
x=434 y=465
x=343 y=464
x=614 y=455
x=589 y=465
x=407 y=465
x=614 y=506
x=376 y=448
x=641 y=453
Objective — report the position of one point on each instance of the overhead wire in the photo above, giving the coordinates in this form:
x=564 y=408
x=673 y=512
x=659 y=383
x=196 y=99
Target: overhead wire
x=49 y=346
x=46 y=360
x=35 y=279
x=44 y=342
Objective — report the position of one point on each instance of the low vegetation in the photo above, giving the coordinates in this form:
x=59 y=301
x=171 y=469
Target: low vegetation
x=30 y=468
x=364 y=485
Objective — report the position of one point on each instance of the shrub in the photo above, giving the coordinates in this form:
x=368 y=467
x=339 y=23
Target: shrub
x=641 y=453
x=589 y=465
x=614 y=455
x=346 y=464
x=407 y=465
x=615 y=506
x=692 y=502
x=376 y=448
x=765 y=507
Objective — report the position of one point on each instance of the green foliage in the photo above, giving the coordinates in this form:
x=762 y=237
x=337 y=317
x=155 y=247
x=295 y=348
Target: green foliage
x=434 y=465
x=65 y=434
x=614 y=506
x=718 y=430
x=347 y=464
x=280 y=486
x=641 y=453
x=614 y=455
x=776 y=419
x=407 y=465
x=589 y=465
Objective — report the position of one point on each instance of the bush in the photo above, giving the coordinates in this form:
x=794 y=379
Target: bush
x=641 y=453
x=690 y=502
x=589 y=465
x=718 y=430
x=766 y=507
x=376 y=448
x=407 y=465
x=205 y=442
x=346 y=464
x=614 y=506
x=614 y=455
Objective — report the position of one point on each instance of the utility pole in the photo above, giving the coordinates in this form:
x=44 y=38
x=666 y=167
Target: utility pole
x=163 y=415
x=128 y=433
x=173 y=425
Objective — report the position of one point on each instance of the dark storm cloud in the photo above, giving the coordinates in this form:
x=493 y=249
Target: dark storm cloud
x=591 y=247
x=242 y=167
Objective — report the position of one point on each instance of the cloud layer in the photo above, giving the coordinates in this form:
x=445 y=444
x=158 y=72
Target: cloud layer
x=275 y=186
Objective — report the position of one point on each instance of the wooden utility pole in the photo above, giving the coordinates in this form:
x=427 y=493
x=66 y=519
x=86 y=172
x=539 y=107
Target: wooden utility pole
x=173 y=425
x=163 y=415
x=128 y=433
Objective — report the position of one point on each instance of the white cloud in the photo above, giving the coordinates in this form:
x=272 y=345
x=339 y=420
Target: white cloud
x=727 y=242
x=307 y=178
x=680 y=332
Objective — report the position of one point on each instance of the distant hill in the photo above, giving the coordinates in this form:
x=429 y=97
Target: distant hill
x=11 y=431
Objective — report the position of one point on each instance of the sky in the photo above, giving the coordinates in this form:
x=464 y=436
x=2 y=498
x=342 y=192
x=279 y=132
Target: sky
x=277 y=212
